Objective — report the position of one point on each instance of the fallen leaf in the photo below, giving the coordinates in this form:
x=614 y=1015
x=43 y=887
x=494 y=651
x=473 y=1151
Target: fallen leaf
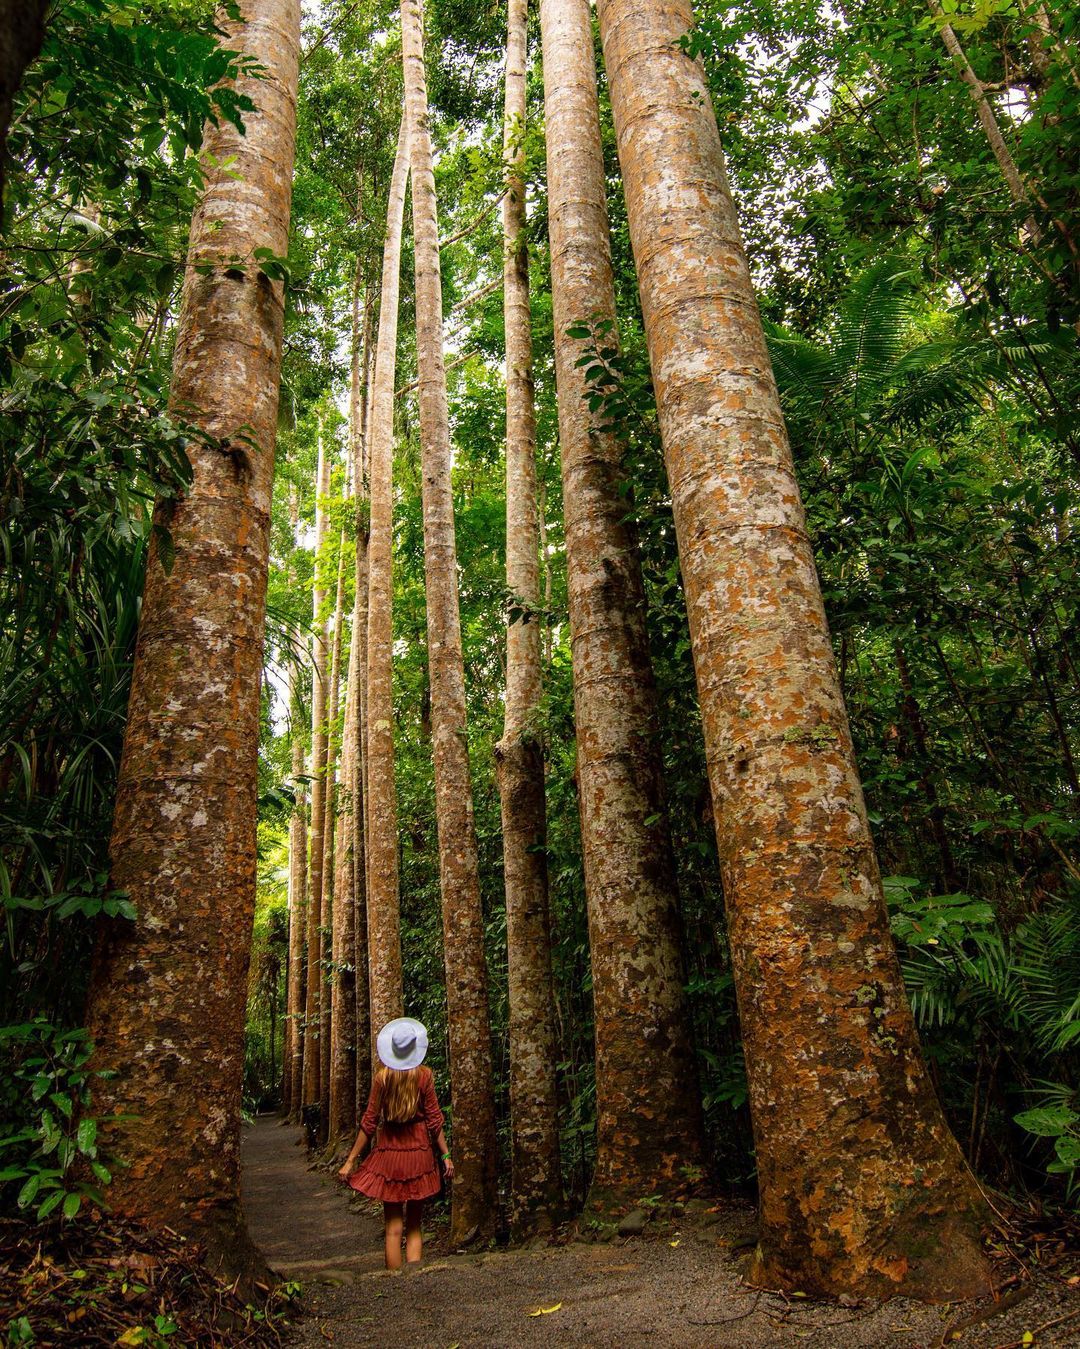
x=546 y=1311
x=673 y=1244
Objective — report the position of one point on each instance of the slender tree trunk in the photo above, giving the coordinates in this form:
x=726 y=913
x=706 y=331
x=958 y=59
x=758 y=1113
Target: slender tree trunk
x=349 y=861
x=347 y=889
x=536 y=1176
x=296 y=972
x=297 y=920
x=380 y=816
x=313 y=1009
x=459 y=875
x=863 y=1189
x=358 y=823
x=22 y=31
x=985 y=113
x=168 y=990
x=649 y=1116
x=331 y=929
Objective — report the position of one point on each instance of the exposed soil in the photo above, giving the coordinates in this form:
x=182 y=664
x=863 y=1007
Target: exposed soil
x=679 y=1284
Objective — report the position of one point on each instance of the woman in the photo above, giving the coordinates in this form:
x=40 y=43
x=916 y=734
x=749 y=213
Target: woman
x=401 y=1169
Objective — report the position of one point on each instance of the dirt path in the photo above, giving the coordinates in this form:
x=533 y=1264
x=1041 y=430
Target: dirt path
x=676 y=1286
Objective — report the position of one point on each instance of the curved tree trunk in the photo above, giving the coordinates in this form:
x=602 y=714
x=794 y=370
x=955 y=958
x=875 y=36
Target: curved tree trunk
x=459 y=876
x=863 y=1190
x=168 y=991
x=536 y=1185
x=383 y=925
x=649 y=1117
x=312 y=1093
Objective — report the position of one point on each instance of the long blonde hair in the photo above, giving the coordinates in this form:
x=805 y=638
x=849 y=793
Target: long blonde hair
x=400 y=1093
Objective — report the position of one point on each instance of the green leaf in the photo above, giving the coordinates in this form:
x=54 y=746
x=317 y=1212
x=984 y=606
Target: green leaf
x=1048 y=1121
x=86 y=1137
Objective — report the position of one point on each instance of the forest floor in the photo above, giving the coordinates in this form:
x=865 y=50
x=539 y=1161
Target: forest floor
x=679 y=1284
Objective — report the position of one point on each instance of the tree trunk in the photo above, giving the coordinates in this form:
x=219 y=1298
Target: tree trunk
x=536 y=1184
x=383 y=929
x=361 y=983
x=332 y=929
x=863 y=1190
x=985 y=113
x=295 y=972
x=22 y=31
x=649 y=1116
x=349 y=856
x=315 y=971
x=459 y=876
x=168 y=990
x=297 y=978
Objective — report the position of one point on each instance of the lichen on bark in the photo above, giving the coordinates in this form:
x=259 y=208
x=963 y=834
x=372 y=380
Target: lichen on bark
x=649 y=1117
x=863 y=1190
x=168 y=990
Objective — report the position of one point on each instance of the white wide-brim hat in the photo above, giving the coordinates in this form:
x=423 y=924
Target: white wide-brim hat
x=402 y=1043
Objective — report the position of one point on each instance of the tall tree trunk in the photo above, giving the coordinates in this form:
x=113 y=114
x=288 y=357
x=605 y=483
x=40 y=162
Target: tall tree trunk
x=459 y=874
x=349 y=860
x=168 y=990
x=332 y=934
x=863 y=1189
x=649 y=1116
x=295 y=973
x=297 y=978
x=358 y=823
x=22 y=31
x=313 y=1006
x=383 y=934
x=536 y=1177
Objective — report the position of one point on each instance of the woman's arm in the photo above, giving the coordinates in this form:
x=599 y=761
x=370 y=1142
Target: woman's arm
x=433 y=1117
x=350 y=1160
x=444 y=1155
x=368 y=1125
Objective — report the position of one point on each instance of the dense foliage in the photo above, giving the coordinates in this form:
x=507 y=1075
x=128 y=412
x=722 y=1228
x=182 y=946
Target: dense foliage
x=923 y=329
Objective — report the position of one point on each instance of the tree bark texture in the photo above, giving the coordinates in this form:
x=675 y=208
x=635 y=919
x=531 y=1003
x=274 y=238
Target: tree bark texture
x=536 y=1181
x=649 y=1116
x=383 y=917
x=168 y=990
x=863 y=1189
x=313 y=1006
x=22 y=31
x=459 y=877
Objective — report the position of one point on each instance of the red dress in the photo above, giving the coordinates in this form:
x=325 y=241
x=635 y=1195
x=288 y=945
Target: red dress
x=401 y=1165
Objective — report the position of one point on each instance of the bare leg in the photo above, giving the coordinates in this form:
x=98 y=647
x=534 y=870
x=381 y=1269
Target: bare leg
x=414 y=1238
x=392 y=1219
